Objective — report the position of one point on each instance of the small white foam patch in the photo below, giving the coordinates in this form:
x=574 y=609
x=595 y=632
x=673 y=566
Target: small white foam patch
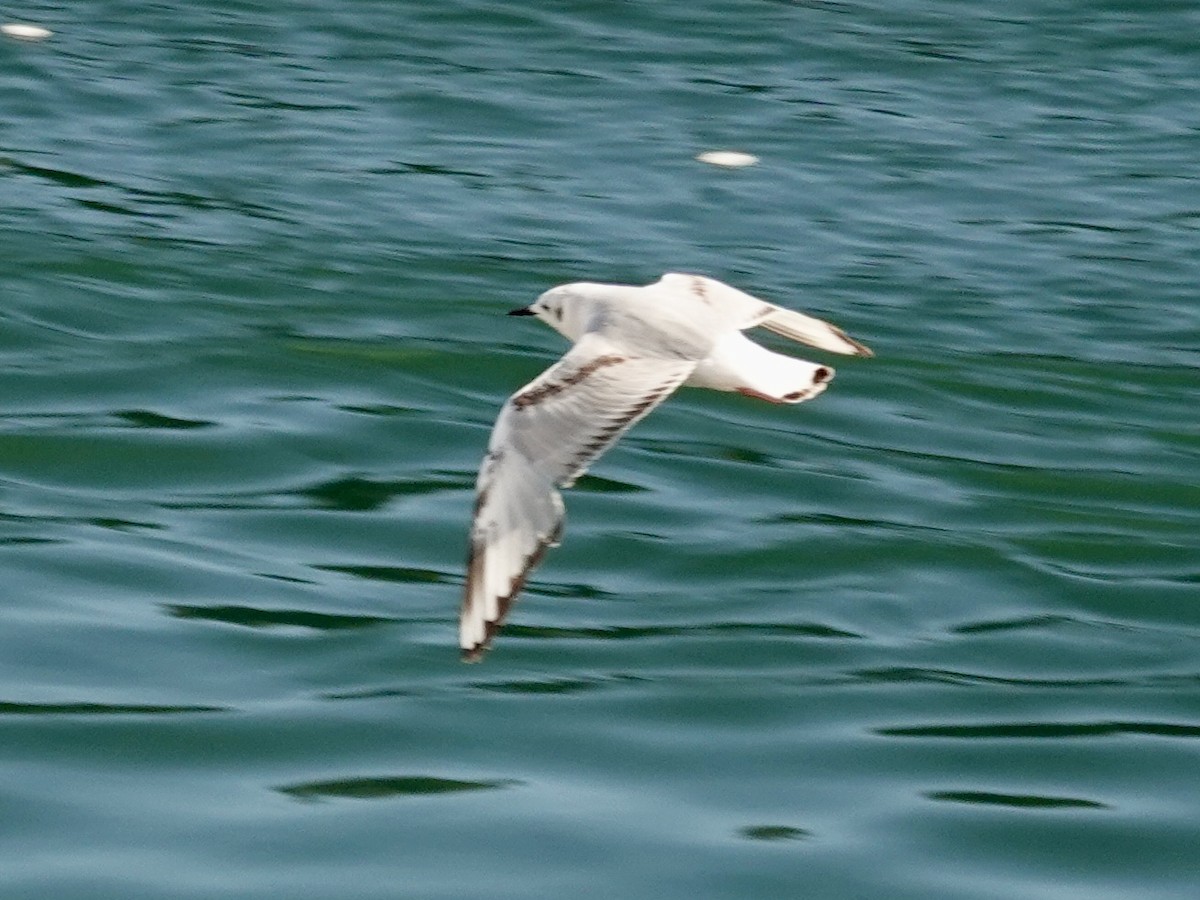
x=26 y=32
x=730 y=159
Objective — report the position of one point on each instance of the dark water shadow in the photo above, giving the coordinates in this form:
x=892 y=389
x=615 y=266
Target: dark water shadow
x=595 y=484
x=918 y=675
x=58 y=177
x=774 y=833
x=707 y=450
x=251 y=617
x=539 y=686
x=114 y=524
x=369 y=694
x=353 y=494
x=1018 y=624
x=1018 y=801
x=141 y=418
x=385 y=787
x=286 y=579
x=634 y=632
x=1041 y=730
x=384 y=410
x=393 y=574
x=407 y=575
x=102 y=709
x=366 y=495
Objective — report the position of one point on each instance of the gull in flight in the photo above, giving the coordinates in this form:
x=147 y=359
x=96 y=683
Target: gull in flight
x=633 y=346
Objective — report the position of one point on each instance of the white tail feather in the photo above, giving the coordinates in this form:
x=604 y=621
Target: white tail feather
x=738 y=364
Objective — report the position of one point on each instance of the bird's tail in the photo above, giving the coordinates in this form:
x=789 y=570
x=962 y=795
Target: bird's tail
x=738 y=364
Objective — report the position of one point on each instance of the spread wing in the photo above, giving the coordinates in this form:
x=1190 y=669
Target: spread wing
x=546 y=436
x=750 y=312
x=814 y=332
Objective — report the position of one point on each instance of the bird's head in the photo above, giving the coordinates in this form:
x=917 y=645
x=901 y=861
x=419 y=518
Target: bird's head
x=564 y=309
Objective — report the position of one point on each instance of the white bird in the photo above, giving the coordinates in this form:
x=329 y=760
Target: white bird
x=633 y=346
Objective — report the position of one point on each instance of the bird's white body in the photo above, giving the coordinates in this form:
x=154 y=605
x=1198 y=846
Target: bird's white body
x=633 y=346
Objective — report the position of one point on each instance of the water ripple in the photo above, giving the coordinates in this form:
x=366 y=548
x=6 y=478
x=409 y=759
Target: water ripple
x=638 y=632
x=251 y=617
x=386 y=787
x=774 y=833
x=1041 y=730
x=1017 y=801
x=101 y=709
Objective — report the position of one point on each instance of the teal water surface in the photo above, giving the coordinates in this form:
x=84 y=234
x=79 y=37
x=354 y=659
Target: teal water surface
x=933 y=635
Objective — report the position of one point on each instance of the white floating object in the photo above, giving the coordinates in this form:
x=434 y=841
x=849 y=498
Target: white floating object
x=26 y=32
x=730 y=159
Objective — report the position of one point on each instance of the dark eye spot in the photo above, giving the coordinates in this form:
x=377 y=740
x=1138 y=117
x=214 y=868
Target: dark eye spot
x=557 y=313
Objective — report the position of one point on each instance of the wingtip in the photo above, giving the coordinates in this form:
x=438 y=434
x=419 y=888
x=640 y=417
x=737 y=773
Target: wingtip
x=857 y=348
x=472 y=654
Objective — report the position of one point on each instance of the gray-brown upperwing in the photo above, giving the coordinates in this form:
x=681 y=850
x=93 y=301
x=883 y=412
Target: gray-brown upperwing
x=546 y=436
x=748 y=311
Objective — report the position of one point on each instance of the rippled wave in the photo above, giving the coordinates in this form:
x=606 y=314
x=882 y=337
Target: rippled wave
x=932 y=636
